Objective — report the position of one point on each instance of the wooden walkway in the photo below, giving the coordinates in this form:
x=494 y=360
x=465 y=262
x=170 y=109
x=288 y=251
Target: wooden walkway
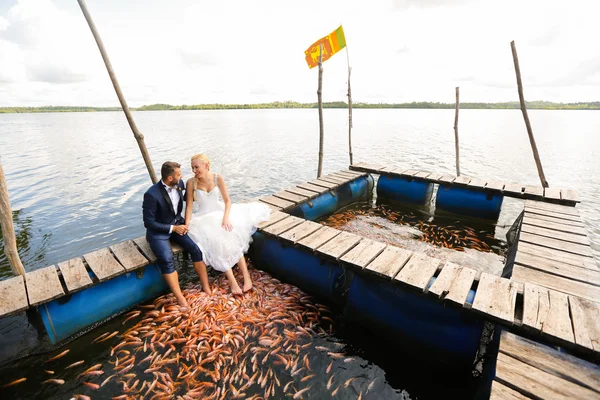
x=551 y=195
x=529 y=370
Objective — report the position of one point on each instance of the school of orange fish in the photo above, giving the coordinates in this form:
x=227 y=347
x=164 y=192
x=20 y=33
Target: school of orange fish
x=257 y=346
x=451 y=237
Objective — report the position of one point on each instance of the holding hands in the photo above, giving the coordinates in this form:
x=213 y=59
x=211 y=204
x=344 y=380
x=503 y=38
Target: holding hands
x=181 y=229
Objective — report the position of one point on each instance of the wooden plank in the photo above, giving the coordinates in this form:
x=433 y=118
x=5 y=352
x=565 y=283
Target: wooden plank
x=422 y=174
x=272 y=207
x=534 y=190
x=418 y=271
x=339 y=245
x=75 y=275
x=302 y=192
x=535 y=306
x=458 y=289
x=552 y=207
x=494 y=185
x=586 y=325
x=325 y=184
x=555 y=282
x=319 y=238
x=530 y=219
x=536 y=383
x=277 y=202
x=553 y=219
x=434 y=177
x=501 y=392
x=554 y=214
x=551 y=233
x=570 y=195
x=569 y=247
x=335 y=179
x=547 y=311
x=103 y=264
x=558 y=268
x=144 y=246
x=301 y=231
x=409 y=172
x=389 y=262
x=554 y=362
x=477 y=182
x=364 y=253
x=43 y=285
x=447 y=178
x=462 y=180
x=356 y=174
x=128 y=255
x=312 y=188
x=283 y=225
x=273 y=219
x=513 y=188
x=295 y=198
x=400 y=171
x=557 y=255
x=374 y=168
x=552 y=193
x=442 y=283
x=13 y=297
x=346 y=178
x=388 y=168
x=496 y=297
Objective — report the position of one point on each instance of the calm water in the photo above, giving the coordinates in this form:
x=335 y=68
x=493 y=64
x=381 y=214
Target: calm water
x=76 y=180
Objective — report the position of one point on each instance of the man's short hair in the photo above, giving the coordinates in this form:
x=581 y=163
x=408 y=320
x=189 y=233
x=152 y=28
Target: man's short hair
x=168 y=169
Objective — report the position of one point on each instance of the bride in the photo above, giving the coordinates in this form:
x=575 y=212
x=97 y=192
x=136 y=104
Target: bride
x=223 y=231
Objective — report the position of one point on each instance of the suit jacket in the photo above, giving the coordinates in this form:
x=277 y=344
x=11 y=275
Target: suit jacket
x=158 y=210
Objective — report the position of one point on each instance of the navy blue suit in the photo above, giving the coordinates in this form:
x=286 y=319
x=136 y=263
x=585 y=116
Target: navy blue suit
x=158 y=218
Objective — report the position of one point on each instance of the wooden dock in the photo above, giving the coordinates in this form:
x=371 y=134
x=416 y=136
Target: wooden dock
x=509 y=189
x=529 y=370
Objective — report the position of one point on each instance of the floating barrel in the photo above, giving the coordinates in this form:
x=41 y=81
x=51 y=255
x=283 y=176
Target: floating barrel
x=471 y=202
x=329 y=202
x=402 y=189
x=70 y=314
x=419 y=322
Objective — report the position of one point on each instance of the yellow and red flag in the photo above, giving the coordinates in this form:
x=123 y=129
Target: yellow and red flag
x=332 y=43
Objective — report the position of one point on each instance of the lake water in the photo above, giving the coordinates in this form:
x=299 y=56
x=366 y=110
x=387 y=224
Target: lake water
x=76 y=180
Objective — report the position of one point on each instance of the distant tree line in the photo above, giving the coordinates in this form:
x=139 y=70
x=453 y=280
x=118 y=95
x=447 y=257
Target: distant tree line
x=513 y=105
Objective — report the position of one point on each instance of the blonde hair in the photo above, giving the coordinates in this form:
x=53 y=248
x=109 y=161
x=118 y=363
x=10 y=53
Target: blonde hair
x=203 y=158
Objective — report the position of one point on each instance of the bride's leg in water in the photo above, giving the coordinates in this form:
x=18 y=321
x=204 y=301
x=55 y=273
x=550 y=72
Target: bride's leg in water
x=235 y=288
x=247 y=280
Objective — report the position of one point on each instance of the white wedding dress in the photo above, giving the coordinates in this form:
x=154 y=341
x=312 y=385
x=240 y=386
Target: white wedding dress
x=222 y=249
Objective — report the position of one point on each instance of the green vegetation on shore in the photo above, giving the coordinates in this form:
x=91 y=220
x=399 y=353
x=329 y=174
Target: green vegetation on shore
x=513 y=105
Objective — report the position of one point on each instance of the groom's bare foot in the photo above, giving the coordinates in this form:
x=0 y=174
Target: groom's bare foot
x=182 y=302
x=247 y=285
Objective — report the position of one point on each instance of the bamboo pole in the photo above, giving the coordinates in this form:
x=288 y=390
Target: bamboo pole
x=349 y=109
x=536 y=155
x=136 y=133
x=8 y=229
x=320 y=101
x=456 y=133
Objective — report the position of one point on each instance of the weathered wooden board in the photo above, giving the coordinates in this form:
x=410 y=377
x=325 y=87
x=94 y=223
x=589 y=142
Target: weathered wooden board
x=554 y=362
x=494 y=185
x=325 y=184
x=586 y=325
x=477 y=183
x=513 y=188
x=339 y=245
x=128 y=255
x=396 y=171
x=75 y=275
x=434 y=177
x=569 y=210
x=273 y=218
x=557 y=255
x=144 y=246
x=569 y=247
x=283 y=225
x=555 y=282
x=534 y=190
x=408 y=172
x=547 y=311
x=277 y=202
x=552 y=193
x=570 y=195
x=462 y=180
x=552 y=219
x=501 y=392
x=335 y=179
x=418 y=271
x=553 y=214
x=302 y=192
x=530 y=219
x=554 y=234
x=389 y=262
x=447 y=178
x=364 y=253
x=103 y=264
x=453 y=283
x=296 y=198
x=313 y=188
x=346 y=178
x=366 y=167
x=536 y=383
x=319 y=237
x=354 y=174
x=558 y=268
x=43 y=285
x=442 y=283
x=301 y=231
x=496 y=297
x=13 y=297
x=422 y=174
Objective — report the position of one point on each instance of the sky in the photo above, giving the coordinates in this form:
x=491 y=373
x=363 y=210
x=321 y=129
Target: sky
x=240 y=51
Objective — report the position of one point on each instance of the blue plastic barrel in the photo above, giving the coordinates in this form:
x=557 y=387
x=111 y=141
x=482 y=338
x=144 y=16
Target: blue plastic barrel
x=70 y=314
x=470 y=202
x=404 y=190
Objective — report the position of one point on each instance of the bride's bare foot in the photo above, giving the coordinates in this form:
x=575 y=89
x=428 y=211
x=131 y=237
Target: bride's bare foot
x=207 y=290
x=247 y=285
x=236 y=291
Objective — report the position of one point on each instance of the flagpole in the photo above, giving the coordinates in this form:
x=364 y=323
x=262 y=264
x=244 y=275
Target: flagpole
x=349 y=107
x=320 y=103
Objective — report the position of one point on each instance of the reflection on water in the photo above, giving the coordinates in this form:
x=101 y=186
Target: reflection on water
x=469 y=243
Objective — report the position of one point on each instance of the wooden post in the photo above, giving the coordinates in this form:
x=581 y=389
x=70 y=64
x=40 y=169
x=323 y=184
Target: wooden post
x=320 y=101
x=8 y=229
x=456 y=134
x=349 y=114
x=536 y=155
x=136 y=133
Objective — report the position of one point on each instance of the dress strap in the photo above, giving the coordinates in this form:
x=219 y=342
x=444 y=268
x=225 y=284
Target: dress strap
x=216 y=182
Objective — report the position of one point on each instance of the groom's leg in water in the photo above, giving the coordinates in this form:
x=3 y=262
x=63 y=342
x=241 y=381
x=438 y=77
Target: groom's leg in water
x=164 y=255
x=190 y=247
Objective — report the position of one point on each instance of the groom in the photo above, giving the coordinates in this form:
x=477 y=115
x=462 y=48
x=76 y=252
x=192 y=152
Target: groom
x=162 y=207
